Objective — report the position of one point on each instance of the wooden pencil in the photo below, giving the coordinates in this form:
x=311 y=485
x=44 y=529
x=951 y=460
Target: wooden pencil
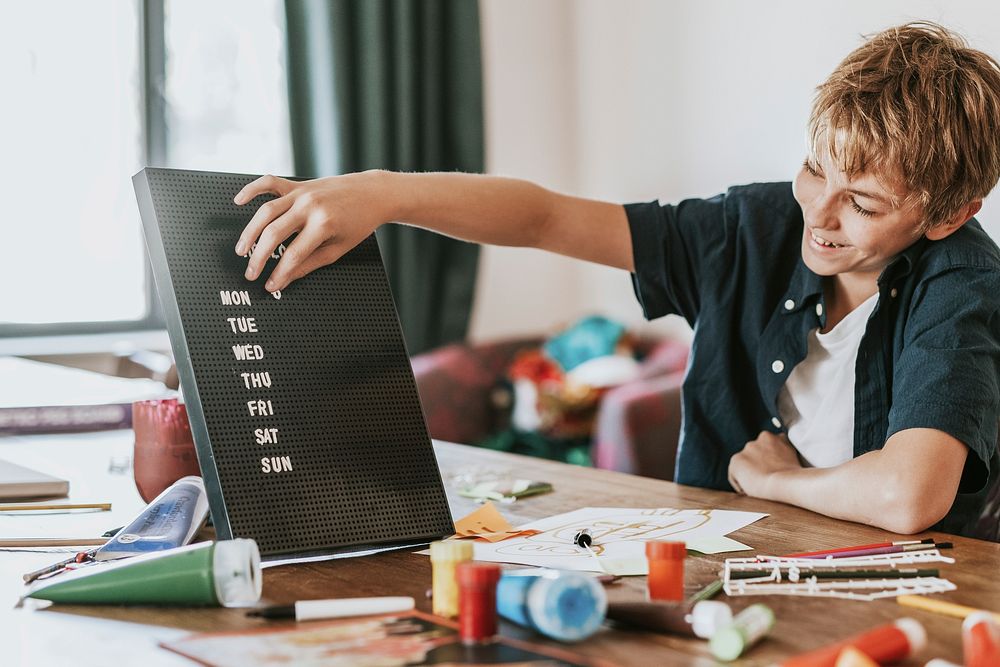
x=105 y=507
x=940 y=606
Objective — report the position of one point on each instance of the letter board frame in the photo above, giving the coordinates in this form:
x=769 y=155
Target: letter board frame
x=304 y=410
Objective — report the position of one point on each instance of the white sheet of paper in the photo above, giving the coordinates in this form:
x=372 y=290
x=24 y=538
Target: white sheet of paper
x=619 y=535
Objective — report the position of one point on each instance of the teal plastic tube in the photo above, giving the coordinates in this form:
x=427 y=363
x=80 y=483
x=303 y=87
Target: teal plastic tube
x=223 y=573
x=567 y=606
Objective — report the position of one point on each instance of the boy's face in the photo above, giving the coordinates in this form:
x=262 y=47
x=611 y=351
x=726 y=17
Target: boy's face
x=852 y=229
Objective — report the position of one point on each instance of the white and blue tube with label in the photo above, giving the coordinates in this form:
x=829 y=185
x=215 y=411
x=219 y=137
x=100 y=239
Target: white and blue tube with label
x=171 y=520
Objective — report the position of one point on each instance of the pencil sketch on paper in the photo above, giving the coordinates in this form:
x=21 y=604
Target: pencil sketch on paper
x=619 y=535
x=620 y=526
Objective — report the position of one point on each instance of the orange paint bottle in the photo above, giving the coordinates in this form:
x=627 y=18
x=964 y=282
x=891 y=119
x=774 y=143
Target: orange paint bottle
x=666 y=570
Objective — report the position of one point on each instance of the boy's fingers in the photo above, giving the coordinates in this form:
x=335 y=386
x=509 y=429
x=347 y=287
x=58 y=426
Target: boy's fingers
x=265 y=215
x=272 y=236
x=318 y=259
x=263 y=185
x=296 y=254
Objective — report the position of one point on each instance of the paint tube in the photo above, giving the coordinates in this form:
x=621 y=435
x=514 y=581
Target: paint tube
x=223 y=573
x=171 y=520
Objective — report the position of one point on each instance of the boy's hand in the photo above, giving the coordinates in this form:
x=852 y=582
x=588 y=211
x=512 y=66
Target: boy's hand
x=331 y=216
x=751 y=469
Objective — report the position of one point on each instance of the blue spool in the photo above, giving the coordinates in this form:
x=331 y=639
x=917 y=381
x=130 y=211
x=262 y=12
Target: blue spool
x=567 y=606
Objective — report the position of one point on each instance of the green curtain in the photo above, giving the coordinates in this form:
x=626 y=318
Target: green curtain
x=394 y=84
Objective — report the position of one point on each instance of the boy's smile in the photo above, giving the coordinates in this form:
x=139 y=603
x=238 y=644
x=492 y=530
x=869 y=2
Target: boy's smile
x=853 y=227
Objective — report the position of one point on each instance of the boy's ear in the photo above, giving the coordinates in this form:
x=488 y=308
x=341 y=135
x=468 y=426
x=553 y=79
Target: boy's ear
x=954 y=223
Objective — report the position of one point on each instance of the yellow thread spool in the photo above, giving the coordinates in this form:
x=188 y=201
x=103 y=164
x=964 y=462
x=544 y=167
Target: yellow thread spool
x=444 y=557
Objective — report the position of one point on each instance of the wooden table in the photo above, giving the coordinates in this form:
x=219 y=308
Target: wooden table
x=105 y=635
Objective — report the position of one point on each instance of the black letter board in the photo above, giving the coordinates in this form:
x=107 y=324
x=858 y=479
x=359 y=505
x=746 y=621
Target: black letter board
x=304 y=410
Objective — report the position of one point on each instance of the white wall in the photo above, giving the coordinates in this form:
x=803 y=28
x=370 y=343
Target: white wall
x=650 y=99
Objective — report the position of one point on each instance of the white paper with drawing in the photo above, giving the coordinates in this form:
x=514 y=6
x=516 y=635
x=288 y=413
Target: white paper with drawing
x=619 y=535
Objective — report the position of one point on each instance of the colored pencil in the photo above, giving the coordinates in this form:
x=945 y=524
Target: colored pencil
x=941 y=607
x=877 y=545
x=708 y=592
x=884 y=550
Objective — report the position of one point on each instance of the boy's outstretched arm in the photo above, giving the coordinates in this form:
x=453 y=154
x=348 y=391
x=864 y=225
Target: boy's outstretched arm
x=332 y=215
x=906 y=487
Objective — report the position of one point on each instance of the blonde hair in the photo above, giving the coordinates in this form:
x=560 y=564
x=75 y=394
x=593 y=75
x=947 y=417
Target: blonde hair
x=914 y=103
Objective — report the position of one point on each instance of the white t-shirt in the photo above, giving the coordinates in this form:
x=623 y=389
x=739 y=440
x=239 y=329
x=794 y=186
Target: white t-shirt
x=817 y=402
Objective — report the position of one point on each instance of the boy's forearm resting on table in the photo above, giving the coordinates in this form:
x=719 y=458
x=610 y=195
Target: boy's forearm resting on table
x=906 y=487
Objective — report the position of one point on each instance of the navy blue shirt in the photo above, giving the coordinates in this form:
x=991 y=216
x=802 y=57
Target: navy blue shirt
x=732 y=267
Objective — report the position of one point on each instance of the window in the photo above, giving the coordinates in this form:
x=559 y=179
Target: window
x=94 y=91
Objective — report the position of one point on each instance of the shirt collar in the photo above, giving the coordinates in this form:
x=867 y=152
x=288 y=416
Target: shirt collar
x=902 y=265
x=803 y=286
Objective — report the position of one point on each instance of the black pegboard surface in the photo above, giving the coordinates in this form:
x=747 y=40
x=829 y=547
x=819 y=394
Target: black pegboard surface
x=341 y=397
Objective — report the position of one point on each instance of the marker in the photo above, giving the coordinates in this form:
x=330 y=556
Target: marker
x=309 y=610
x=903 y=548
x=695 y=619
x=877 y=545
x=583 y=539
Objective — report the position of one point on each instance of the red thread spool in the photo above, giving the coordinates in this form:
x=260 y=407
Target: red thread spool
x=885 y=644
x=666 y=570
x=164 y=447
x=477 y=601
x=981 y=640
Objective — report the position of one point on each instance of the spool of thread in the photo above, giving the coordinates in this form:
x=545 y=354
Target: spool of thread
x=852 y=657
x=748 y=627
x=887 y=643
x=164 y=448
x=980 y=640
x=567 y=606
x=699 y=619
x=666 y=570
x=477 y=601
x=445 y=556
x=223 y=573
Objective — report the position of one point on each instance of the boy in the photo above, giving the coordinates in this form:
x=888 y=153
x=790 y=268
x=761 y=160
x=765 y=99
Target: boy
x=846 y=353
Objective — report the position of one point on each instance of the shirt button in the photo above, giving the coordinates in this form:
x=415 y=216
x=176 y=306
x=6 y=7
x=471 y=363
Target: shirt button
x=777 y=365
x=893 y=292
x=789 y=304
x=819 y=310
x=776 y=422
